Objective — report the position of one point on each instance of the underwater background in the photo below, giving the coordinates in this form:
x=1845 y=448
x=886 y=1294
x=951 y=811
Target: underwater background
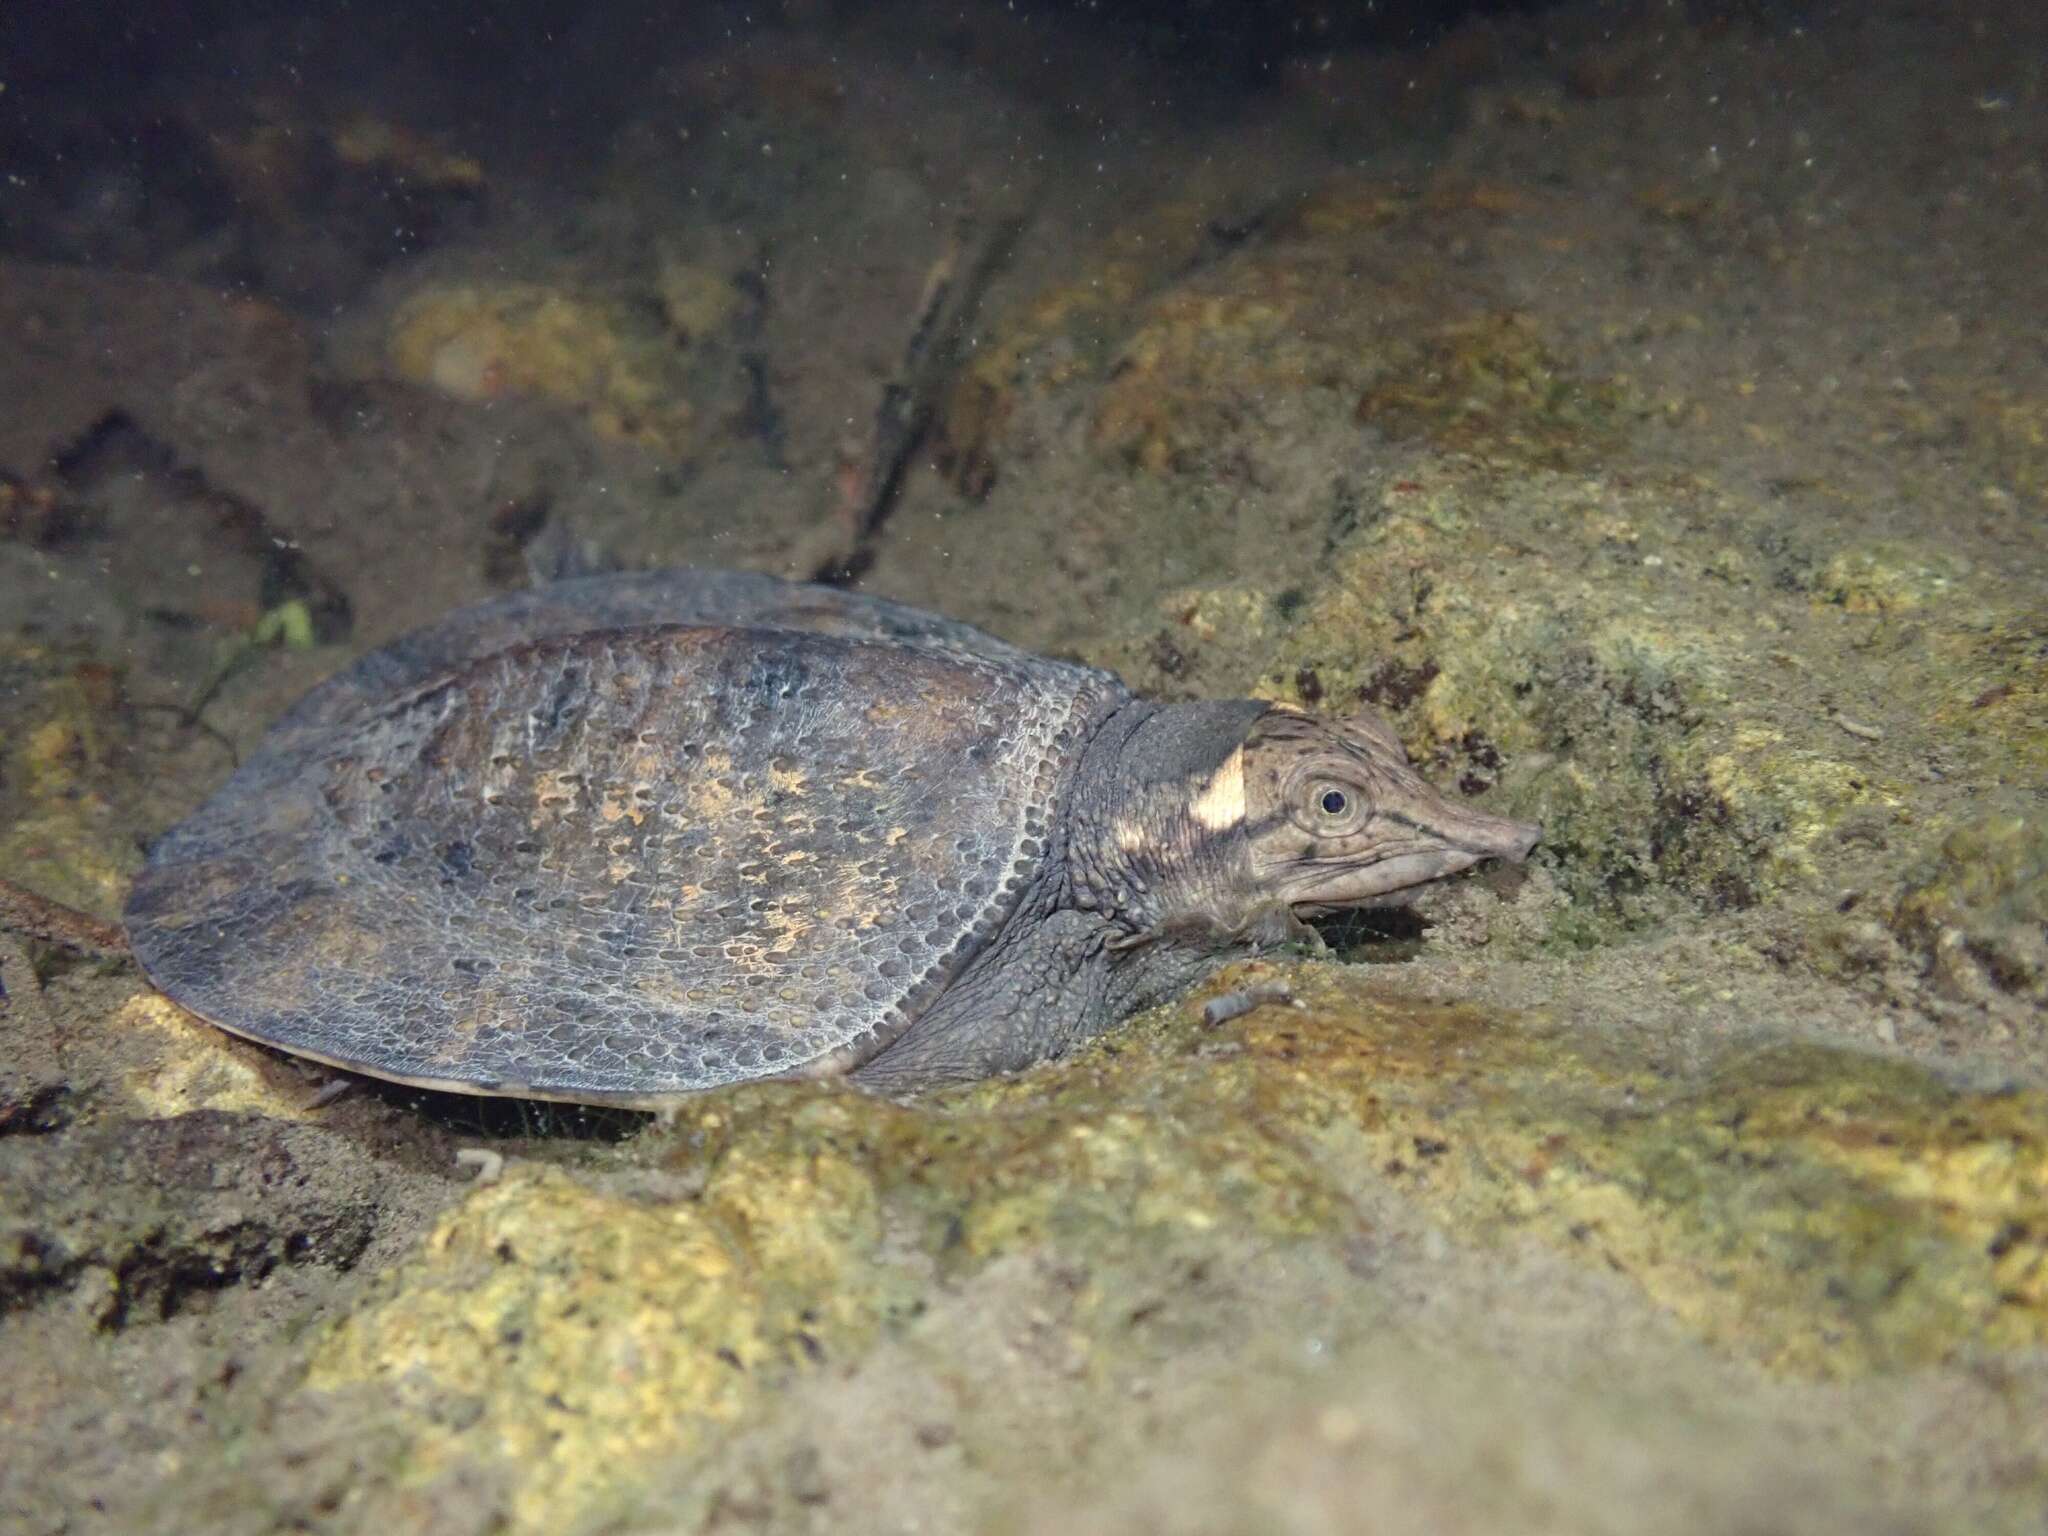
x=1643 y=404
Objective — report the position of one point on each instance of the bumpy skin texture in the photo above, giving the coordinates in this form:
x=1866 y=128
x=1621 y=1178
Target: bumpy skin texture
x=1048 y=981
x=623 y=864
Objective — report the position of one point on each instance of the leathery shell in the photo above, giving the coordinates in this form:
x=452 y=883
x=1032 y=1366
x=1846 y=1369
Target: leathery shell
x=624 y=863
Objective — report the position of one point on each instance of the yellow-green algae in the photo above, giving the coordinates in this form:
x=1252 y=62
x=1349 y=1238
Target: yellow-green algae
x=1489 y=384
x=1176 y=339
x=1984 y=674
x=1711 y=701
x=1887 y=576
x=1813 y=1208
x=2010 y=434
x=1070 y=331
x=1979 y=908
x=1639 y=667
x=591 y=352
x=1645 y=733
x=59 y=734
x=596 y=1333
x=183 y=1064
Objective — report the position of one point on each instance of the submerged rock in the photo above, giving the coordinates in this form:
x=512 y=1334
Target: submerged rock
x=1811 y=1208
x=486 y=341
x=1978 y=910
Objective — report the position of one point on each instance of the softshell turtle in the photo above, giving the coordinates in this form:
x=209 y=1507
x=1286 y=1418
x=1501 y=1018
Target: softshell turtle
x=623 y=838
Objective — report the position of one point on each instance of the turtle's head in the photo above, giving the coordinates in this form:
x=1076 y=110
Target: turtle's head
x=1335 y=816
x=1229 y=820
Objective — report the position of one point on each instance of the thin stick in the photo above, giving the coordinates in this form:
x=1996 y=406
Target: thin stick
x=866 y=488
x=38 y=917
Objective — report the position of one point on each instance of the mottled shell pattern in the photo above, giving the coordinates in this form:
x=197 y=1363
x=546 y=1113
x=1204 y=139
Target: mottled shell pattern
x=621 y=838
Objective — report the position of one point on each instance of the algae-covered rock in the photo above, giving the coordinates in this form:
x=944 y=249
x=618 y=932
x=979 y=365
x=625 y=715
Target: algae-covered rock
x=402 y=152
x=1489 y=384
x=1174 y=341
x=279 y=159
x=2011 y=429
x=180 y=1064
x=1189 y=324
x=579 y=1336
x=1068 y=333
x=1812 y=1208
x=1598 y=671
x=696 y=301
x=482 y=341
x=1890 y=577
x=139 y=1220
x=1978 y=911
x=1983 y=682
x=62 y=726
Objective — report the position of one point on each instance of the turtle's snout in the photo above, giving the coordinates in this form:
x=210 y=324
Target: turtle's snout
x=1527 y=835
x=1496 y=837
x=1472 y=833
x=1343 y=819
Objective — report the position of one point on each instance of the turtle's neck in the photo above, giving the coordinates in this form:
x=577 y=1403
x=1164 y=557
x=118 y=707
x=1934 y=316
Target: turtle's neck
x=1155 y=830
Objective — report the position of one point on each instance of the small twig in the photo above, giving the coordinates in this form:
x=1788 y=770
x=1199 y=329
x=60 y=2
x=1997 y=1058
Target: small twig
x=866 y=483
x=329 y=1091
x=1226 y=1006
x=488 y=1164
x=37 y=917
x=865 y=488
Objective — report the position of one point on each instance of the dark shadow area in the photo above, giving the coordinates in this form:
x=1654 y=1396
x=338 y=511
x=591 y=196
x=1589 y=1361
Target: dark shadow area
x=1374 y=935
x=499 y=1119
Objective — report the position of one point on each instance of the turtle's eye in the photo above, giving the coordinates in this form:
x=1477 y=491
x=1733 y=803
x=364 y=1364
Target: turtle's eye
x=1330 y=807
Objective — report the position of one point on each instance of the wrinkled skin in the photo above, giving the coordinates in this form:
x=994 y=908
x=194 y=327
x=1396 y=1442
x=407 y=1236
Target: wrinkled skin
x=1195 y=831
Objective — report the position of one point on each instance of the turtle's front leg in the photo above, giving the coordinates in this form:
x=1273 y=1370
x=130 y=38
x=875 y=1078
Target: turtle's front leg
x=1032 y=995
